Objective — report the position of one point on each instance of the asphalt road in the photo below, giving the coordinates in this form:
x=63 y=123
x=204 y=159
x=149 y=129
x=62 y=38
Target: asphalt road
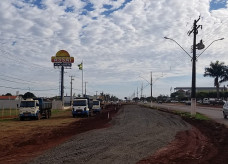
x=136 y=132
x=213 y=113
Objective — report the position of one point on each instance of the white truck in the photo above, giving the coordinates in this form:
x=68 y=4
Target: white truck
x=206 y=101
x=96 y=106
x=35 y=108
x=82 y=107
x=225 y=110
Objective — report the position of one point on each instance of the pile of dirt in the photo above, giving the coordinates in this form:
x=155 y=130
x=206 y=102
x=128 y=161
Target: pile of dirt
x=205 y=143
x=25 y=147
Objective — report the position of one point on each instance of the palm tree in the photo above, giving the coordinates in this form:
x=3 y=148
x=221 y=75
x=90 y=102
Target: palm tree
x=225 y=76
x=216 y=70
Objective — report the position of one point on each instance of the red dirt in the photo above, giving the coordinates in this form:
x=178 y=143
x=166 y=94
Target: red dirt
x=205 y=143
x=23 y=149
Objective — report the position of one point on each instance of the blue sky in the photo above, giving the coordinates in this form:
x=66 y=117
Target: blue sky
x=218 y=4
x=119 y=41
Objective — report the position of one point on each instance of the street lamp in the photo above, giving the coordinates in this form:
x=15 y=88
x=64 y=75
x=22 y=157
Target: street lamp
x=178 y=45
x=209 y=46
x=151 y=85
x=198 y=46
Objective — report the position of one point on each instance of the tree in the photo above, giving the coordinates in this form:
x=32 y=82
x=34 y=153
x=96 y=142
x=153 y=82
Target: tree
x=28 y=95
x=135 y=99
x=8 y=94
x=225 y=76
x=216 y=70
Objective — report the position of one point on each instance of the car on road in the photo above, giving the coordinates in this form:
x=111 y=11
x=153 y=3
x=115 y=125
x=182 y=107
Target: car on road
x=188 y=102
x=225 y=110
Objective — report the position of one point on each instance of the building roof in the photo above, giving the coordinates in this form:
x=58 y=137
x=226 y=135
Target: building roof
x=8 y=97
x=198 y=88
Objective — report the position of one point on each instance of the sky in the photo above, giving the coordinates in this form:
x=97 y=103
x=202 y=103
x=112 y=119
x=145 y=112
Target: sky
x=121 y=42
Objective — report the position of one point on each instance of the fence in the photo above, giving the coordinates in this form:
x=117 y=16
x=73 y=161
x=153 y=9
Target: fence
x=8 y=113
x=9 y=108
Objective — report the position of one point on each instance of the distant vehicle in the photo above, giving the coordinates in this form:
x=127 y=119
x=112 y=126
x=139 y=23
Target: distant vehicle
x=213 y=101
x=225 y=110
x=174 y=101
x=35 y=108
x=159 y=101
x=96 y=106
x=82 y=107
x=206 y=101
x=188 y=102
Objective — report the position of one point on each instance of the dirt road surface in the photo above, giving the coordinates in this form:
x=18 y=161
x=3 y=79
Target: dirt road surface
x=136 y=133
x=140 y=139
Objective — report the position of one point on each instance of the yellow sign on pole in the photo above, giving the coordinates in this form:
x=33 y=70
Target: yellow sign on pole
x=62 y=56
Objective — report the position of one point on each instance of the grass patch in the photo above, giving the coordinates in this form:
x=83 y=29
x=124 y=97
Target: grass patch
x=8 y=112
x=198 y=116
x=57 y=111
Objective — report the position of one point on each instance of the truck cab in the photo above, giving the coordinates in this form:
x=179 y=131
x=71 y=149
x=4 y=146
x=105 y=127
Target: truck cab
x=80 y=107
x=29 y=108
x=96 y=106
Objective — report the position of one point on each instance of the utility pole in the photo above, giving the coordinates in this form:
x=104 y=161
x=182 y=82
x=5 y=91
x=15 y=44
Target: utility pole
x=71 y=99
x=193 y=91
x=195 y=46
x=85 y=88
x=142 y=90
x=96 y=94
x=137 y=92
x=151 y=85
x=82 y=77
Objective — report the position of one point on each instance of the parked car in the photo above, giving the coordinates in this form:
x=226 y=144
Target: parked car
x=174 y=101
x=225 y=110
x=188 y=102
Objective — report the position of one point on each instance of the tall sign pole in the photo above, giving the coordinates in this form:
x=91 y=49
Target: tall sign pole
x=62 y=83
x=63 y=60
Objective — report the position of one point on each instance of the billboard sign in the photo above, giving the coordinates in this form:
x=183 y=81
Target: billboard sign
x=63 y=58
x=62 y=64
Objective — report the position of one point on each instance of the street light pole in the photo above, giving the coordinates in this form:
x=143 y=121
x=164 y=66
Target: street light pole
x=151 y=86
x=208 y=46
x=193 y=58
x=193 y=92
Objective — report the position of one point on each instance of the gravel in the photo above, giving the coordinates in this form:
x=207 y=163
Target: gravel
x=136 y=132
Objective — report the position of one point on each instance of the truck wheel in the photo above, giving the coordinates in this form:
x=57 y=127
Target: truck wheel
x=74 y=115
x=224 y=115
x=49 y=114
x=38 y=117
x=21 y=118
x=46 y=115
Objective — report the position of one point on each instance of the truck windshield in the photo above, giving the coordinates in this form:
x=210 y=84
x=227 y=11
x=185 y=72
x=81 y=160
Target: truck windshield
x=79 y=103
x=27 y=104
x=95 y=102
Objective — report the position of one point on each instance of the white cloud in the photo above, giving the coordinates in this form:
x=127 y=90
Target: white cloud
x=116 y=48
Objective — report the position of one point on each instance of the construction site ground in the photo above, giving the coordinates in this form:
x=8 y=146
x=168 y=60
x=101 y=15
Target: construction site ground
x=20 y=141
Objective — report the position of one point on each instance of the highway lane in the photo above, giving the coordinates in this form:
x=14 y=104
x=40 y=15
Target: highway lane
x=211 y=112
